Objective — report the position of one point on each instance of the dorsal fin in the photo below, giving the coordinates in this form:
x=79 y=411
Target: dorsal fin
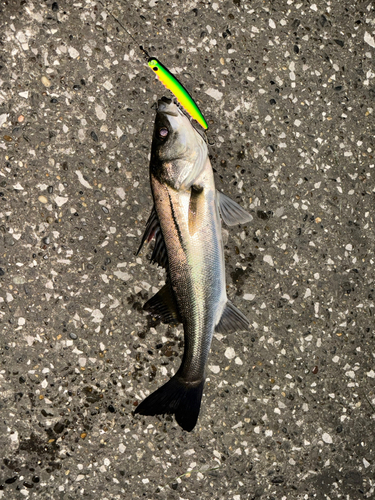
x=232 y=320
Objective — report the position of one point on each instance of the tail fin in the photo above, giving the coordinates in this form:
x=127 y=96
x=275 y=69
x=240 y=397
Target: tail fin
x=176 y=397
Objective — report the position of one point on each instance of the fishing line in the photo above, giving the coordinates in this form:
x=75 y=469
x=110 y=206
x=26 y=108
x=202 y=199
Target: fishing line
x=147 y=55
x=167 y=78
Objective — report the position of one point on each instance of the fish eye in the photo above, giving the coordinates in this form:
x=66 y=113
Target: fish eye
x=163 y=132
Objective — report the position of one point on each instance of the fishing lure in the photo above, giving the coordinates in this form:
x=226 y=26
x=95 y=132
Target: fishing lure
x=169 y=80
x=181 y=94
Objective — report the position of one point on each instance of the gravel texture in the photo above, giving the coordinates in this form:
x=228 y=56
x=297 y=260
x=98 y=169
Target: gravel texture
x=288 y=410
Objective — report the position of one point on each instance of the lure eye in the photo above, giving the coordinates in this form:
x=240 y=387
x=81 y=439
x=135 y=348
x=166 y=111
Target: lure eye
x=163 y=132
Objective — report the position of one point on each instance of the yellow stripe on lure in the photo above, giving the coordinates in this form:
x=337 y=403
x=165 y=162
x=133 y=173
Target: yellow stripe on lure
x=182 y=95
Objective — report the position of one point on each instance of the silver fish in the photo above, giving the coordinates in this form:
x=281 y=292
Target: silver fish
x=185 y=222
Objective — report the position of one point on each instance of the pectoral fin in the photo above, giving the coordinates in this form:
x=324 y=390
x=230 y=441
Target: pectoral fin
x=232 y=320
x=159 y=254
x=231 y=212
x=163 y=305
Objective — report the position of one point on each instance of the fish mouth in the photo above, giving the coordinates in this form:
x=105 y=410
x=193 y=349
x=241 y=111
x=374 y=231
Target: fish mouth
x=167 y=107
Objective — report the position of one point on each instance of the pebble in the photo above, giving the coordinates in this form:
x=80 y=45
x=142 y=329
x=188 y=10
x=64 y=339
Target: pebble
x=73 y=336
x=45 y=81
x=7 y=138
x=73 y=52
x=11 y=480
x=55 y=7
x=214 y=93
x=214 y=368
x=94 y=137
x=82 y=180
x=229 y=353
x=369 y=39
x=20 y=119
x=327 y=438
x=268 y=259
x=8 y=241
x=121 y=193
x=249 y=296
x=2 y=272
x=3 y=118
x=100 y=113
x=19 y=280
x=105 y=210
x=42 y=199
x=60 y=200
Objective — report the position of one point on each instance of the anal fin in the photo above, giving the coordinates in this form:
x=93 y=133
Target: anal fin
x=163 y=305
x=232 y=320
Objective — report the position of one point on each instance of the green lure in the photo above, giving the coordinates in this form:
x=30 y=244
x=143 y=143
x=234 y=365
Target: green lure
x=181 y=94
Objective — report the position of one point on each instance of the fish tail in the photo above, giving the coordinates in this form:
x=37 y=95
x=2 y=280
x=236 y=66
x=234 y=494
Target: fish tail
x=178 y=397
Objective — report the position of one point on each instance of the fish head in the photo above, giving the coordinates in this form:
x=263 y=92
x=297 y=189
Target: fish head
x=178 y=150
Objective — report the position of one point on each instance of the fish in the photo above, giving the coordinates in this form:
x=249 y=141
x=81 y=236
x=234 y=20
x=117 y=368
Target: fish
x=185 y=223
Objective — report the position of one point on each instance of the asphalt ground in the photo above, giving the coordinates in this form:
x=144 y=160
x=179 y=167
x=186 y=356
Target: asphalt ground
x=288 y=89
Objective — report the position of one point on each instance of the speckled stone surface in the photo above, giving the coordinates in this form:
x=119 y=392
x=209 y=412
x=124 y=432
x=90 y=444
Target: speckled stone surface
x=288 y=410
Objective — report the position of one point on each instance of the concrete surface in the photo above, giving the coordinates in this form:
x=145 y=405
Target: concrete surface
x=288 y=411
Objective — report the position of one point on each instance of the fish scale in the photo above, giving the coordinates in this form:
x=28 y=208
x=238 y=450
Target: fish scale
x=197 y=279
